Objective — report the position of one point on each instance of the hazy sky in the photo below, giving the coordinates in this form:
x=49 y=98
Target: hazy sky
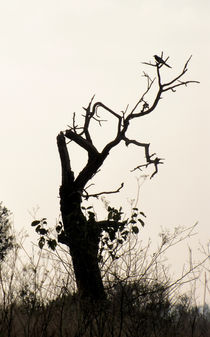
x=56 y=54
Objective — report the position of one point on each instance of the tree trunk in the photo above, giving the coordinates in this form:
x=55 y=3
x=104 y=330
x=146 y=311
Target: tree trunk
x=82 y=238
x=81 y=235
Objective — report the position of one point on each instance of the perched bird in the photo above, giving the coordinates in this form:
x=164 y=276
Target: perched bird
x=160 y=60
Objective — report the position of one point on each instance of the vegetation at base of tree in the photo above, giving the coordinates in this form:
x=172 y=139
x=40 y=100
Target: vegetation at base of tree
x=131 y=310
x=38 y=295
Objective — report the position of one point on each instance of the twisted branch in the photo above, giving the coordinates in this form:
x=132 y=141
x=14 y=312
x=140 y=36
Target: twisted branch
x=84 y=140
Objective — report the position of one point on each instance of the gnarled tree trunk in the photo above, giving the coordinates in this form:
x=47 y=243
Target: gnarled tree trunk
x=80 y=235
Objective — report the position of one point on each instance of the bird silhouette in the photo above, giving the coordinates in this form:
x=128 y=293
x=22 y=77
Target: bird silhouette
x=161 y=61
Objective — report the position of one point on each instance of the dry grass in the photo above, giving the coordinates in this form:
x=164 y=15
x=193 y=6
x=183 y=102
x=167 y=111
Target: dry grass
x=38 y=296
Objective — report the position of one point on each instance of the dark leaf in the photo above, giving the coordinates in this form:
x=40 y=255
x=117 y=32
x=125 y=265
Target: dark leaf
x=52 y=244
x=58 y=228
x=43 y=231
x=135 y=230
x=142 y=213
x=41 y=242
x=141 y=222
x=38 y=228
x=35 y=222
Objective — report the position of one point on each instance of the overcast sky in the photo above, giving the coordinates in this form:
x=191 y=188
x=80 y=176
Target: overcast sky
x=55 y=55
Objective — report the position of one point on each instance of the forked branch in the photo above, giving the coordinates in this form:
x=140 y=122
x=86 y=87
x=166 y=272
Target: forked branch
x=144 y=106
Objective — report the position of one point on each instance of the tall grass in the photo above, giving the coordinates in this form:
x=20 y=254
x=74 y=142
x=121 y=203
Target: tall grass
x=38 y=294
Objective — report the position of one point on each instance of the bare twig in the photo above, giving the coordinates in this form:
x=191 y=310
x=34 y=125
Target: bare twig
x=96 y=195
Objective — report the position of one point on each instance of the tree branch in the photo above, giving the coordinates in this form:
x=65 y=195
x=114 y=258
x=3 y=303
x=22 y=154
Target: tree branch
x=149 y=85
x=88 y=117
x=90 y=169
x=156 y=161
x=67 y=173
x=99 y=104
x=96 y=195
x=85 y=144
x=83 y=138
x=179 y=84
x=167 y=86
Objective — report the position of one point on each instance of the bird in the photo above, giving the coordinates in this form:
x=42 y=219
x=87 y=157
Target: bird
x=161 y=61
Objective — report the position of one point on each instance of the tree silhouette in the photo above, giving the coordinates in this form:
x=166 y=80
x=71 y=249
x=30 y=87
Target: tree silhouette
x=82 y=233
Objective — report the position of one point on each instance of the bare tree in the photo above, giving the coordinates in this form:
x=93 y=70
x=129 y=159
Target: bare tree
x=82 y=234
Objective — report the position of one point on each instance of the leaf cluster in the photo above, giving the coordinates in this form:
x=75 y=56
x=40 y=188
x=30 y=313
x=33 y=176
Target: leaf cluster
x=44 y=233
x=112 y=232
x=115 y=230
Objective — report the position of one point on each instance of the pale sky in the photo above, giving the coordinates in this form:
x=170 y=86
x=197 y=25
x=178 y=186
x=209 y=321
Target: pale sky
x=55 y=55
